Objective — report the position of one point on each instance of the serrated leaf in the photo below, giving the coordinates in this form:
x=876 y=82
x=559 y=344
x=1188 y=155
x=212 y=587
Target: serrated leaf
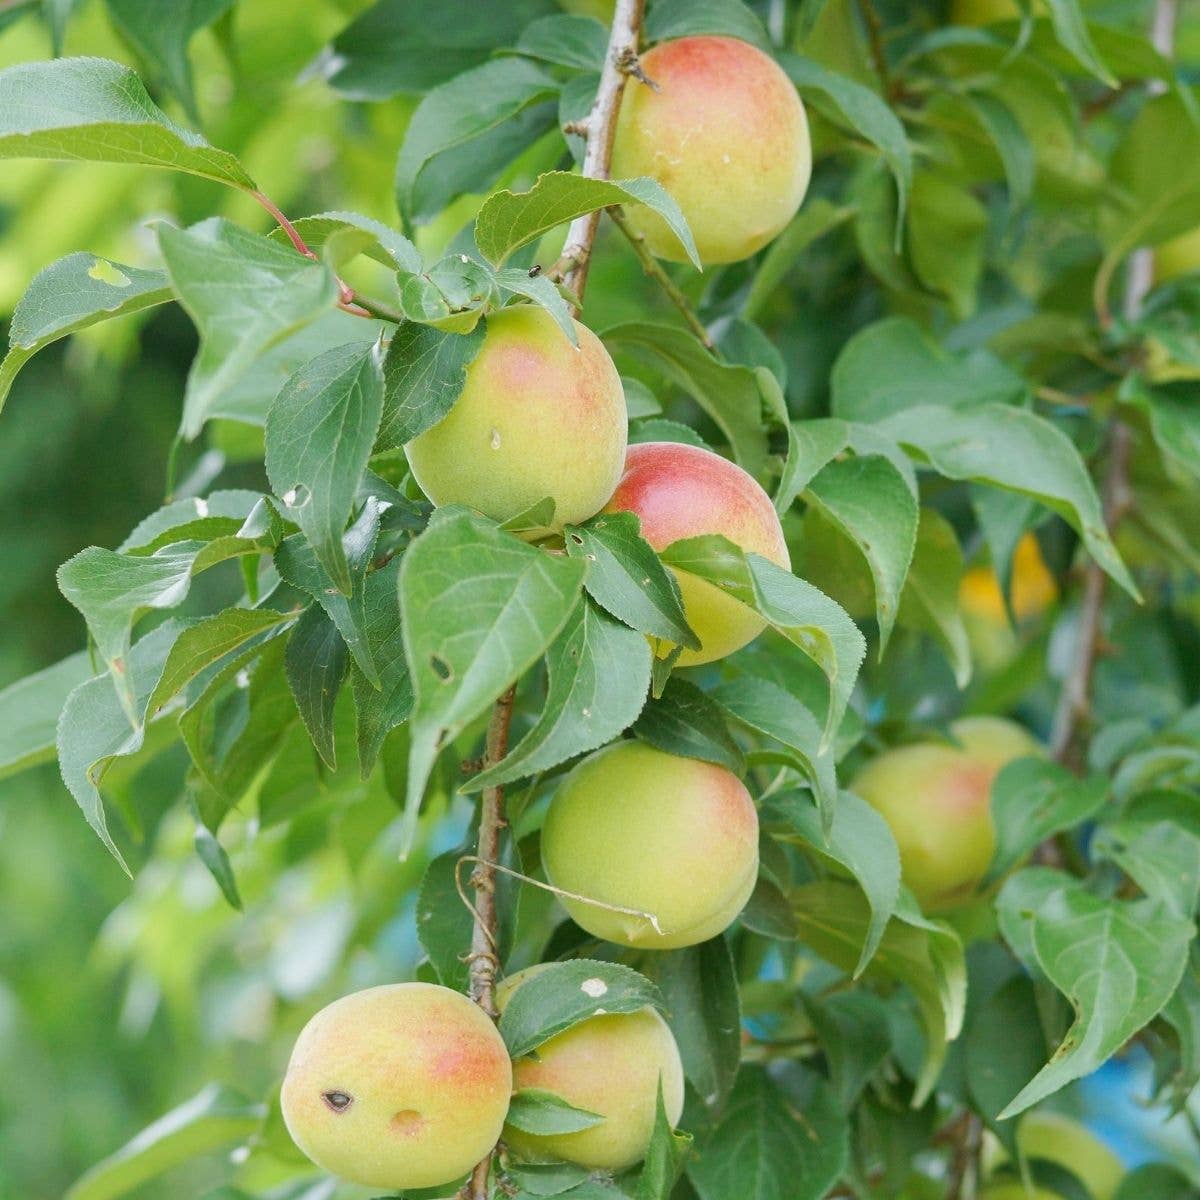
x=771 y=710
x=704 y=1011
x=1017 y=450
x=452 y=295
x=799 y=611
x=466 y=131
x=509 y=220
x=94 y=109
x=680 y=18
x=731 y=395
x=599 y=673
x=543 y=292
x=869 y=501
x=926 y=956
x=316 y=664
x=479 y=607
x=929 y=601
x=665 y=1156
x=214 y=1118
x=538 y=1111
x=320 y=432
x=244 y=293
x=423 y=375
x=95 y=727
x=865 y=111
x=627 y=579
x=394 y=46
x=1118 y=962
x=1032 y=799
x=565 y=40
x=686 y=722
x=340 y=237
x=71 y=294
x=561 y=995
x=161 y=32
x=773 y=1143
x=852 y=1028
x=212 y=854
x=860 y=841
x=29 y=711
x=200 y=518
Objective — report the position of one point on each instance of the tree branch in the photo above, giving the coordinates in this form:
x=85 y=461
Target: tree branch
x=620 y=60
x=600 y=128
x=654 y=269
x=875 y=37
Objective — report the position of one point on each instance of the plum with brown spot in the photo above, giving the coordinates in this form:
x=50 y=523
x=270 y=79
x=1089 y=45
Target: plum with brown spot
x=680 y=491
x=611 y=1065
x=723 y=130
x=402 y=1086
x=537 y=417
x=936 y=798
x=673 y=838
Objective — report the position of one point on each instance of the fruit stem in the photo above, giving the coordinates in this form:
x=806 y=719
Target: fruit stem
x=601 y=129
x=654 y=269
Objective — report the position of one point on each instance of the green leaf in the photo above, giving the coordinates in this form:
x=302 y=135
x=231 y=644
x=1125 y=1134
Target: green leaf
x=1156 y=842
x=1071 y=28
x=95 y=727
x=380 y=709
x=1032 y=799
x=859 y=841
x=451 y=295
x=244 y=293
x=29 y=711
x=297 y=564
x=929 y=601
x=316 y=666
x=864 y=111
x=680 y=18
x=730 y=395
x=340 y=237
x=401 y=46
x=926 y=956
x=686 y=722
x=467 y=130
x=71 y=294
x=947 y=231
x=869 y=501
x=541 y=291
x=536 y=1110
x=771 y=710
x=892 y=366
x=704 y=1011
x=774 y=1142
x=212 y=854
x=588 y=702
x=211 y=1120
x=1157 y=1181
x=1118 y=962
x=320 y=431
x=206 y=642
x=565 y=40
x=507 y=221
x=219 y=514
x=852 y=1028
x=97 y=110
x=627 y=579
x=563 y=994
x=665 y=1156
x=161 y=36
x=1017 y=450
x=804 y=615
x=479 y=607
x=1014 y=148
x=423 y=375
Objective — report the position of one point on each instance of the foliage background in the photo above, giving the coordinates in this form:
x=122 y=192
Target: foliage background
x=118 y=1001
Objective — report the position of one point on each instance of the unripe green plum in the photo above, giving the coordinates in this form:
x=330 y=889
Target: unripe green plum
x=1179 y=256
x=726 y=134
x=610 y=1065
x=937 y=800
x=402 y=1086
x=537 y=417
x=681 y=491
x=673 y=837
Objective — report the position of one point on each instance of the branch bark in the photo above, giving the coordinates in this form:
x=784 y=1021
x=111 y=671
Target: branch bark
x=599 y=130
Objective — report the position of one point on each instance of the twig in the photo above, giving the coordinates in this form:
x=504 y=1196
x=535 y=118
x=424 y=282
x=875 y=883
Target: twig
x=964 y=1164
x=601 y=127
x=875 y=37
x=653 y=268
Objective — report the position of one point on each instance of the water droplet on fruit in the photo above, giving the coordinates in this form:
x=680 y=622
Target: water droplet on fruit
x=495 y=439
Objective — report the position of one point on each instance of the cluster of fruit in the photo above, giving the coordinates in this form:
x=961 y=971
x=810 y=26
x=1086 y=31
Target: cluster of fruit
x=409 y=1085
